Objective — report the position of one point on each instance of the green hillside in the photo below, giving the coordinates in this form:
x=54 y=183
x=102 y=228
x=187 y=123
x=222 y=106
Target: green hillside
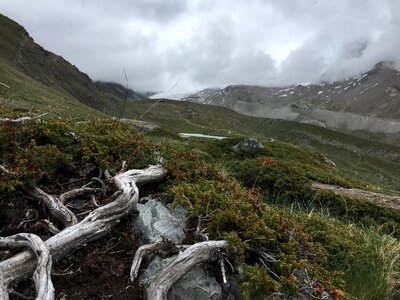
x=38 y=76
x=355 y=157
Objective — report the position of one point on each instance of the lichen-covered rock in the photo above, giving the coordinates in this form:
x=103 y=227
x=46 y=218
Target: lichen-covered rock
x=156 y=221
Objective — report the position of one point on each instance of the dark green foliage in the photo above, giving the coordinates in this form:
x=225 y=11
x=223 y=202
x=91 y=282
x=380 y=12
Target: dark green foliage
x=55 y=149
x=240 y=216
x=52 y=151
x=286 y=184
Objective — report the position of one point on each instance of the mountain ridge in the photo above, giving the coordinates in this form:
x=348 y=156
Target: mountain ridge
x=369 y=101
x=18 y=50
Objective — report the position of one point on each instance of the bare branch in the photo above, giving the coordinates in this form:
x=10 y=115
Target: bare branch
x=223 y=272
x=4 y=171
x=186 y=260
x=42 y=275
x=21 y=120
x=144 y=251
x=77 y=192
x=94 y=226
x=57 y=209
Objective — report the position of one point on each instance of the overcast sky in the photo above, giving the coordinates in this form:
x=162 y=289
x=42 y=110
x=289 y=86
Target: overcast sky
x=213 y=43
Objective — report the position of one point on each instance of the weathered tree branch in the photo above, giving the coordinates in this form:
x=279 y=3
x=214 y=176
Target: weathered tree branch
x=5 y=171
x=144 y=251
x=94 y=226
x=57 y=209
x=194 y=255
x=42 y=275
x=77 y=192
x=22 y=119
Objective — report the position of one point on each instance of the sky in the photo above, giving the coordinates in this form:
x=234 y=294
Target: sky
x=187 y=45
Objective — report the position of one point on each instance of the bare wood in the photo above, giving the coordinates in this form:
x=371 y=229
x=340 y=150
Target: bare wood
x=144 y=251
x=223 y=272
x=194 y=255
x=94 y=226
x=58 y=210
x=5 y=171
x=22 y=119
x=77 y=192
x=49 y=226
x=42 y=275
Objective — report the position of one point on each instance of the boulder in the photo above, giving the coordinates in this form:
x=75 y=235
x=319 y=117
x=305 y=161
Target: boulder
x=248 y=144
x=156 y=221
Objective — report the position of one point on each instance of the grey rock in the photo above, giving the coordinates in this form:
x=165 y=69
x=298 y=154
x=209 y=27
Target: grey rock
x=154 y=267
x=197 y=284
x=249 y=144
x=156 y=221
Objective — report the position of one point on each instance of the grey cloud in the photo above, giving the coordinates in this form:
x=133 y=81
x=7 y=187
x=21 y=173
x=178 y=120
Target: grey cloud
x=255 y=68
x=157 y=10
x=202 y=43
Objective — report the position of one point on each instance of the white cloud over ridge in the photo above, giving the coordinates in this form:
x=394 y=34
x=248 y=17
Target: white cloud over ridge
x=208 y=43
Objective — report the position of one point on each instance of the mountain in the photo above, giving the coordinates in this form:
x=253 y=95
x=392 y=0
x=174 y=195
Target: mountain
x=120 y=91
x=369 y=101
x=33 y=77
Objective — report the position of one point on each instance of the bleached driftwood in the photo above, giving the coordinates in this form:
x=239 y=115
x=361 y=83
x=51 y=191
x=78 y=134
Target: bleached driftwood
x=42 y=275
x=94 y=226
x=194 y=255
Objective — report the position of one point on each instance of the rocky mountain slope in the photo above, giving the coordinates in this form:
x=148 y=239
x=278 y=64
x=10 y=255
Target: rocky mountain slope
x=369 y=101
x=120 y=91
x=22 y=60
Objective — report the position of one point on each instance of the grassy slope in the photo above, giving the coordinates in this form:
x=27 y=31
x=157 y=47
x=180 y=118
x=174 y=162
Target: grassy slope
x=369 y=259
x=49 y=78
x=55 y=85
x=362 y=252
x=355 y=157
x=25 y=93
